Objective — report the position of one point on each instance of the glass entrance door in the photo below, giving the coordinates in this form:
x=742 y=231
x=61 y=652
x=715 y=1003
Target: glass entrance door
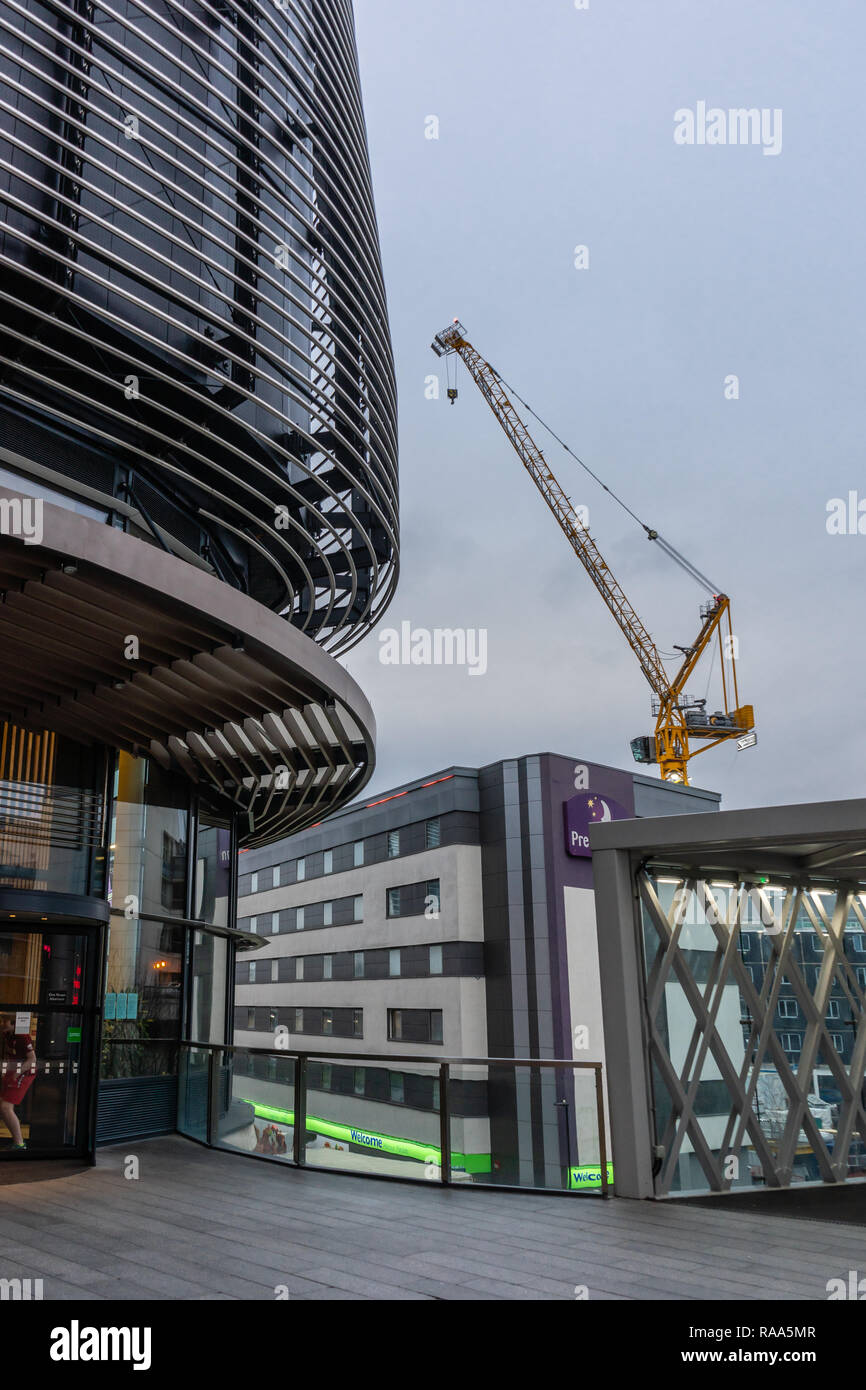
x=47 y=1033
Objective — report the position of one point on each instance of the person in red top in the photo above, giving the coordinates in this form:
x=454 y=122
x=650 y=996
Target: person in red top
x=17 y=1074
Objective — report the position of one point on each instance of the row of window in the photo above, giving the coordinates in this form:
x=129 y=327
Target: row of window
x=407 y=900
x=751 y=942
x=391 y=844
x=338 y=912
x=404 y=1025
x=792 y=1044
x=465 y=1098
x=790 y=1008
x=811 y=974
x=394 y=1087
x=410 y=962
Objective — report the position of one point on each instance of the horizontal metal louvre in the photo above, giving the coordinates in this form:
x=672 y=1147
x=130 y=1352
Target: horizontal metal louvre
x=186 y=204
x=136 y=1106
x=64 y=817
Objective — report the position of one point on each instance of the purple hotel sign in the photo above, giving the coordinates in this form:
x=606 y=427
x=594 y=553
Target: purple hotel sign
x=584 y=810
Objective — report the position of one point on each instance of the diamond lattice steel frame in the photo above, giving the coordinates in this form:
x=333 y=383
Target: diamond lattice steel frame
x=699 y=1070
x=725 y=921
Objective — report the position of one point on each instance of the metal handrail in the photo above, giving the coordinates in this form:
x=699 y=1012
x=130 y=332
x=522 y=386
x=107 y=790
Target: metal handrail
x=368 y=1056
x=302 y=1057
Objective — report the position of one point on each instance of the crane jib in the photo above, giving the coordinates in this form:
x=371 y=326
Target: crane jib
x=677 y=718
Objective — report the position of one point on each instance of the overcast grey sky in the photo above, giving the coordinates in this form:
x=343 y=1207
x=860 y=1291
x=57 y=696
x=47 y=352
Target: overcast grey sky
x=556 y=129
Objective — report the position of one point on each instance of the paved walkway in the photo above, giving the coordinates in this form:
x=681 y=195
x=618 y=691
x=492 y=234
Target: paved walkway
x=199 y=1224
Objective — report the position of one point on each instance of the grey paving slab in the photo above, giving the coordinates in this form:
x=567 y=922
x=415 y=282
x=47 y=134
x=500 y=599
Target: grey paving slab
x=212 y=1225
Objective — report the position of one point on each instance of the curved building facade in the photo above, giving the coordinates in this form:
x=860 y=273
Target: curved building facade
x=193 y=315
x=198 y=511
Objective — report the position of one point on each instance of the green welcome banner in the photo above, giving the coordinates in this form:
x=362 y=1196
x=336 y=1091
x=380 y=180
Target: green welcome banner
x=376 y=1143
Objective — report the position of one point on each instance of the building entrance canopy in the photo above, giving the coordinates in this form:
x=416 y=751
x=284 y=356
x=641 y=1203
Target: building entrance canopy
x=109 y=638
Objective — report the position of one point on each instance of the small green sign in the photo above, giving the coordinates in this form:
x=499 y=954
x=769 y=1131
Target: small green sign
x=589 y=1175
x=73 y=1035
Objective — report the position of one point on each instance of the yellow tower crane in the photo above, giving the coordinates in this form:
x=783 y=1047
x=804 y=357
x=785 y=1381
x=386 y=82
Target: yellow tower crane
x=678 y=719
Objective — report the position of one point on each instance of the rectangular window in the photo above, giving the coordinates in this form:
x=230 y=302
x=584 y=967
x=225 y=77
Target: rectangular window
x=838 y=1041
x=328 y=867
x=254 y=924
x=788 y=1008
x=276 y=875
x=436 y=1094
x=857 y=941
x=861 y=976
x=328 y=914
x=327 y=1022
x=833 y=1009
x=299 y=919
x=415 y=1025
x=301 y=870
x=251 y=1020
x=357 y=1023
x=396 y=1088
x=435 y=960
x=272 y=1068
x=414 y=899
x=359 y=1081
x=358 y=909
x=299 y=1021
x=252 y=972
x=254 y=883
x=393 y=843
x=791 y=1042
x=358 y=965
x=433 y=833
x=299 y=967
x=326 y=1076
x=327 y=967
x=275 y=923
x=358 y=853
x=272 y=1019
x=394 y=963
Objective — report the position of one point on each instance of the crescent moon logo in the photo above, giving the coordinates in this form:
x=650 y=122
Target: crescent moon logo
x=606 y=811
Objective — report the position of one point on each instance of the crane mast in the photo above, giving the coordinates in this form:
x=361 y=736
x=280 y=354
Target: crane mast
x=677 y=719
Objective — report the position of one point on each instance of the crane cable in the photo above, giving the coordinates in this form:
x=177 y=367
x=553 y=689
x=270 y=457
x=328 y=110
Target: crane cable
x=652 y=534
